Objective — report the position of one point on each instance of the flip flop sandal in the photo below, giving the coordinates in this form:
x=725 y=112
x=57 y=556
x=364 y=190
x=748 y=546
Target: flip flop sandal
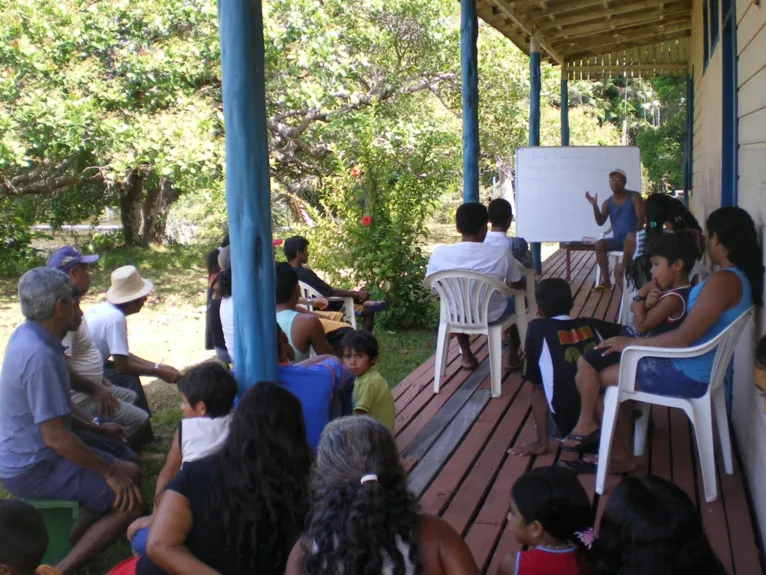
x=585 y=442
x=376 y=308
x=601 y=289
x=579 y=466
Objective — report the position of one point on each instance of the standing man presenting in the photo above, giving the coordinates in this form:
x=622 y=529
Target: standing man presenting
x=625 y=212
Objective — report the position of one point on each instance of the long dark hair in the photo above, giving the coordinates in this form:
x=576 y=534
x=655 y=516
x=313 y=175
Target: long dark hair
x=651 y=526
x=554 y=497
x=736 y=231
x=354 y=527
x=260 y=491
x=658 y=212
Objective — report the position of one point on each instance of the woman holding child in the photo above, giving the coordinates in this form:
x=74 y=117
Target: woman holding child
x=240 y=510
x=732 y=246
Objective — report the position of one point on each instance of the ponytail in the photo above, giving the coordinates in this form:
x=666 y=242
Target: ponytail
x=736 y=231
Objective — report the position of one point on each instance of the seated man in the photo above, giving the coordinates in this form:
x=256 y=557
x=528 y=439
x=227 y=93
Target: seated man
x=304 y=331
x=625 y=212
x=472 y=254
x=109 y=329
x=554 y=343
x=501 y=218
x=40 y=458
x=322 y=385
x=92 y=393
x=297 y=253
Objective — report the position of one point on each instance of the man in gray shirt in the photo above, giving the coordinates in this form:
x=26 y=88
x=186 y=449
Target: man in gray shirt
x=40 y=458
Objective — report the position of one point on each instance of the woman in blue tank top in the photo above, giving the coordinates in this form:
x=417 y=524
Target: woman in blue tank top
x=732 y=245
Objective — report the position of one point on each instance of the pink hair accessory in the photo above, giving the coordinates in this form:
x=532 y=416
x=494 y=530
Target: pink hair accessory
x=586 y=537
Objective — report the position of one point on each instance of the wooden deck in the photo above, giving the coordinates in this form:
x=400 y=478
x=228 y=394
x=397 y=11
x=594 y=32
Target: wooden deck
x=455 y=444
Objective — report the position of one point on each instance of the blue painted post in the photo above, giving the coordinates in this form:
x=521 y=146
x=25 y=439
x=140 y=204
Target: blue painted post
x=469 y=64
x=564 y=106
x=534 y=123
x=248 y=196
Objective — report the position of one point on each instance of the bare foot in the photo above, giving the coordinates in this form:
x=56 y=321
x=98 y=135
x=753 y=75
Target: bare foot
x=528 y=449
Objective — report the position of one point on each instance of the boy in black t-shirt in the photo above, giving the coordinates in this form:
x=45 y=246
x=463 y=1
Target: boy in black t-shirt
x=554 y=344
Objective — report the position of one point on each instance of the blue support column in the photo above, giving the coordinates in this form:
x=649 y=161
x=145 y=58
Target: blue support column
x=248 y=195
x=564 y=106
x=534 y=124
x=469 y=64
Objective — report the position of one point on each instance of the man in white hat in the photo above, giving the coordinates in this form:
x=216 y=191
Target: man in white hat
x=625 y=212
x=109 y=329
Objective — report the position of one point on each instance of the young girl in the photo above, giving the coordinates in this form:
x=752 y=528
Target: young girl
x=650 y=526
x=551 y=513
x=363 y=519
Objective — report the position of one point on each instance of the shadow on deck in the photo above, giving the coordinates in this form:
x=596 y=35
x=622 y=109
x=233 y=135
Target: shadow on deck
x=454 y=445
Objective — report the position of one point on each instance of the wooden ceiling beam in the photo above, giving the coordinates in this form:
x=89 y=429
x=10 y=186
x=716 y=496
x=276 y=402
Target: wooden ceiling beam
x=507 y=10
x=622 y=25
x=580 y=52
x=617 y=37
x=590 y=15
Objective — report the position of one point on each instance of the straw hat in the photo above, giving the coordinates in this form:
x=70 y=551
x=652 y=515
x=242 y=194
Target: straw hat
x=127 y=285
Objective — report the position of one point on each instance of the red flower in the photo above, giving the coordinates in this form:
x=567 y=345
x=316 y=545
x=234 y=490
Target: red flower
x=366 y=221
x=356 y=172
x=277 y=242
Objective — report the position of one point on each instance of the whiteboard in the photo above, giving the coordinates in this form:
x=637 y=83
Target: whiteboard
x=550 y=189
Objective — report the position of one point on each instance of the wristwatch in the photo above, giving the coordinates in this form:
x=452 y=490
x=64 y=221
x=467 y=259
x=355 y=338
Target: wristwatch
x=639 y=298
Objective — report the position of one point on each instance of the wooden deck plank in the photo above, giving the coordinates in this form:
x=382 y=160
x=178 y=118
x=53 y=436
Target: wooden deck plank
x=448 y=441
x=424 y=369
x=426 y=379
x=462 y=461
x=407 y=415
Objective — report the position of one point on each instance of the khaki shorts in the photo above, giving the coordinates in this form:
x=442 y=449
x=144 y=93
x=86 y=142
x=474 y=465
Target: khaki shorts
x=130 y=417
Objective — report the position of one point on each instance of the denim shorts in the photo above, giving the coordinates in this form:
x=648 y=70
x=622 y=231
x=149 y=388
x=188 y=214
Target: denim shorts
x=510 y=309
x=615 y=244
x=58 y=479
x=659 y=376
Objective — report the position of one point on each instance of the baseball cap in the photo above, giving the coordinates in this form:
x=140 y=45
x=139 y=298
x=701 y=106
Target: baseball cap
x=619 y=171
x=66 y=258
x=224 y=258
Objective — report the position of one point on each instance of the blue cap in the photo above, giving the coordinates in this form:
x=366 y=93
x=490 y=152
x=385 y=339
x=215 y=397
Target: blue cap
x=66 y=258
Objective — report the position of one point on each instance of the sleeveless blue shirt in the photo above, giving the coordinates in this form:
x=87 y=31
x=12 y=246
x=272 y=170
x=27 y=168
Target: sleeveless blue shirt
x=623 y=218
x=699 y=368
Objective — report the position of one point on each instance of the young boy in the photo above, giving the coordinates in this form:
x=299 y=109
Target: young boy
x=23 y=540
x=501 y=217
x=659 y=307
x=554 y=343
x=371 y=393
x=207 y=394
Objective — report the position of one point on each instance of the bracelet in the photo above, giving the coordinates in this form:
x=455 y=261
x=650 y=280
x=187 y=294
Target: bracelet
x=96 y=421
x=639 y=298
x=156 y=366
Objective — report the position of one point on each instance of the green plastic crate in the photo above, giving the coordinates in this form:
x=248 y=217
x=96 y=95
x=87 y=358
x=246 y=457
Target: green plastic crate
x=59 y=517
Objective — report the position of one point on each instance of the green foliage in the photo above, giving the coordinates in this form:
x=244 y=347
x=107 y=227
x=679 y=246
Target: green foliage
x=374 y=212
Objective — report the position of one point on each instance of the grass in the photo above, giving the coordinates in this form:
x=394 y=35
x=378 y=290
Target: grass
x=170 y=329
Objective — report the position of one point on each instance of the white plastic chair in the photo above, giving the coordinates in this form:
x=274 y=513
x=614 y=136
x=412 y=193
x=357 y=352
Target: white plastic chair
x=699 y=410
x=348 y=302
x=700 y=272
x=616 y=256
x=465 y=298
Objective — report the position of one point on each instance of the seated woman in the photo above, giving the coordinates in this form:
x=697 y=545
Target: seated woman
x=240 y=510
x=363 y=518
x=713 y=305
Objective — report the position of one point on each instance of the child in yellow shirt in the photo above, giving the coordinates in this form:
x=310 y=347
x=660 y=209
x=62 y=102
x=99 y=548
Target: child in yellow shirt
x=372 y=395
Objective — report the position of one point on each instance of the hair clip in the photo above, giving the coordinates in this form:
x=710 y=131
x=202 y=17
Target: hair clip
x=370 y=477
x=652 y=224
x=586 y=537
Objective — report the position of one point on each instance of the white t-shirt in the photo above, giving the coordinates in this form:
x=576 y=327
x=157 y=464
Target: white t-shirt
x=109 y=330
x=82 y=354
x=226 y=313
x=486 y=259
x=500 y=239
